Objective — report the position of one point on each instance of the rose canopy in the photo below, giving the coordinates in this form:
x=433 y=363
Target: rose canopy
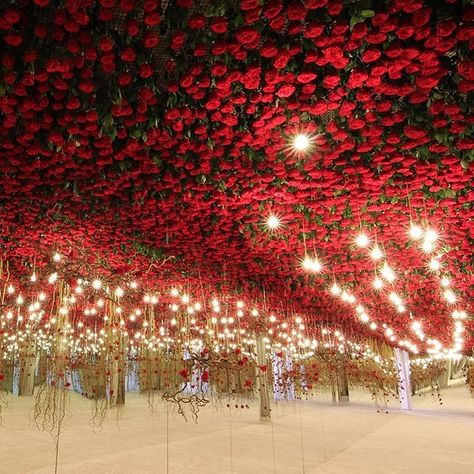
x=148 y=132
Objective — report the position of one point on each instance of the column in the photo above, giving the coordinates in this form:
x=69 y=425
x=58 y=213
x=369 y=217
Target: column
x=404 y=385
x=262 y=380
x=26 y=384
x=342 y=384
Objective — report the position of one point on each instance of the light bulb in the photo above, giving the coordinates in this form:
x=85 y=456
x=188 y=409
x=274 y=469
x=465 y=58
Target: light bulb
x=96 y=284
x=387 y=273
x=57 y=257
x=431 y=235
x=273 y=222
x=445 y=281
x=362 y=240
x=376 y=253
x=416 y=232
x=301 y=143
x=427 y=246
x=435 y=264
x=450 y=296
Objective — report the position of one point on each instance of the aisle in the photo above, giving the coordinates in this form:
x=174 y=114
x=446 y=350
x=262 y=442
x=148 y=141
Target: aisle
x=313 y=435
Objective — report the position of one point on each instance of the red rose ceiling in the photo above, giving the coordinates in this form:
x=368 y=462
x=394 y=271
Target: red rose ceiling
x=156 y=137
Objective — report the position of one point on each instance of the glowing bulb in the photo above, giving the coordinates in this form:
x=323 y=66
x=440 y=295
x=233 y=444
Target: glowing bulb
x=450 y=296
x=96 y=284
x=435 y=264
x=273 y=222
x=33 y=277
x=300 y=143
x=378 y=283
x=376 y=253
x=387 y=273
x=174 y=292
x=185 y=299
x=445 y=281
x=373 y=326
x=415 y=232
x=427 y=246
x=311 y=264
x=335 y=289
x=364 y=318
x=119 y=292
x=362 y=240
x=10 y=289
x=431 y=235
x=57 y=257
x=52 y=278
x=416 y=325
x=20 y=300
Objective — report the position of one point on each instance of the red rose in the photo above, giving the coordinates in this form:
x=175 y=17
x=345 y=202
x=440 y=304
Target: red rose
x=286 y=91
x=13 y=39
x=247 y=35
x=127 y=5
x=197 y=22
x=151 y=39
x=331 y=81
x=296 y=11
x=370 y=55
x=466 y=69
x=313 y=4
x=129 y=55
x=272 y=9
x=313 y=30
x=306 y=77
x=219 y=25
x=445 y=28
x=105 y=44
x=146 y=71
x=178 y=40
x=421 y=17
x=12 y=16
x=152 y=18
x=132 y=27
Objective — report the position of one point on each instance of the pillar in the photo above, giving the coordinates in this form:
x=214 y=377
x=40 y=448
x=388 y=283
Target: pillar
x=26 y=384
x=262 y=380
x=342 y=385
x=404 y=385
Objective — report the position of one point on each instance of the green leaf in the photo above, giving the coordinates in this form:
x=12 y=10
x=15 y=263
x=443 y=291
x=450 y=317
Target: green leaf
x=367 y=13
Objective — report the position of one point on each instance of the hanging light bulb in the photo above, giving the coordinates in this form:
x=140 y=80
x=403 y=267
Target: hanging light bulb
x=376 y=253
x=416 y=232
x=273 y=222
x=445 y=281
x=387 y=273
x=311 y=264
x=301 y=143
x=427 y=246
x=362 y=240
x=450 y=296
x=378 y=283
x=431 y=235
x=435 y=264
x=335 y=289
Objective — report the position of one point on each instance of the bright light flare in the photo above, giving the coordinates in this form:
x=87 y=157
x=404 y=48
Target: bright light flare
x=301 y=143
x=416 y=232
x=387 y=273
x=362 y=240
x=376 y=253
x=311 y=264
